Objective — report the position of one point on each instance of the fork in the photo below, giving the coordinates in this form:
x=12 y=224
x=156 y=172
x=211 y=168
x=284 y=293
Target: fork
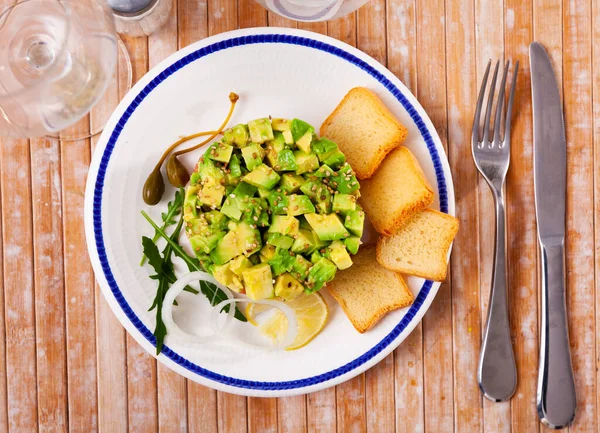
x=497 y=371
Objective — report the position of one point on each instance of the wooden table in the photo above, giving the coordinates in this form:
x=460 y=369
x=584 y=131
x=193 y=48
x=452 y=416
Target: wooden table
x=66 y=364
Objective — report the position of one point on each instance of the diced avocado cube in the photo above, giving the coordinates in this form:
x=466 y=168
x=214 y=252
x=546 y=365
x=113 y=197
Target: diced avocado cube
x=288 y=137
x=260 y=130
x=206 y=242
x=238 y=135
x=335 y=160
x=254 y=211
x=253 y=155
x=306 y=162
x=320 y=274
x=303 y=142
x=319 y=194
x=212 y=193
x=238 y=264
x=235 y=168
x=355 y=221
x=282 y=261
x=327 y=227
x=324 y=171
x=290 y=182
x=220 y=152
x=274 y=147
x=262 y=176
x=304 y=241
x=286 y=225
x=216 y=219
x=233 y=205
x=286 y=161
x=300 y=267
x=344 y=203
x=352 y=243
x=227 y=248
x=267 y=252
x=224 y=275
x=280 y=241
x=345 y=180
x=339 y=255
x=281 y=124
x=287 y=287
x=195 y=178
x=258 y=281
x=299 y=128
x=249 y=240
x=299 y=205
x=190 y=203
x=303 y=223
x=263 y=192
x=197 y=226
x=278 y=203
x=324 y=147
x=315 y=257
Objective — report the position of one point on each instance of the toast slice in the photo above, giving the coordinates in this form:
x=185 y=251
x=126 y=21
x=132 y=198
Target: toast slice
x=421 y=245
x=364 y=130
x=396 y=192
x=367 y=291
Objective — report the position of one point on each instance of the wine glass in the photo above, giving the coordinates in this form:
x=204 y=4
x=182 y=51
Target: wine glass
x=56 y=60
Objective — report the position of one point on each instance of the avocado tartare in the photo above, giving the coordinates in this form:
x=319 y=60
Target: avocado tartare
x=271 y=209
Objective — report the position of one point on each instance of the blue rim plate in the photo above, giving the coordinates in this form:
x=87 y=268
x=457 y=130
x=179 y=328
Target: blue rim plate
x=95 y=222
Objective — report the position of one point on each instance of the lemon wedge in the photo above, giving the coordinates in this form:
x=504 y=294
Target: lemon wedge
x=311 y=314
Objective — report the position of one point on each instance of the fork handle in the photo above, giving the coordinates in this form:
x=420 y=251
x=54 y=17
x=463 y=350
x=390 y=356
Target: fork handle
x=556 y=400
x=497 y=372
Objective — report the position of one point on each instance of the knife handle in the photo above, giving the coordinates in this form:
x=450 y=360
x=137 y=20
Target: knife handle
x=556 y=399
x=497 y=371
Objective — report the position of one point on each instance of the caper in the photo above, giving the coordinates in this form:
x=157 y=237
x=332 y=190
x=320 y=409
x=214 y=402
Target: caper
x=176 y=172
x=154 y=188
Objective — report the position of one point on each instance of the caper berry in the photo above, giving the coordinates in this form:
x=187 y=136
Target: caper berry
x=154 y=188
x=176 y=172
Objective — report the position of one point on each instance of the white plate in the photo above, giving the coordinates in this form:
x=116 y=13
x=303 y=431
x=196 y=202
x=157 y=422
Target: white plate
x=279 y=72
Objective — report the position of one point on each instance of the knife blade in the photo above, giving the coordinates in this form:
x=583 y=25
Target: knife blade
x=556 y=399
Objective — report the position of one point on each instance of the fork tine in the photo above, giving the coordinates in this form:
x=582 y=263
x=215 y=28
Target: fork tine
x=488 y=109
x=475 y=130
x=500 y=106
x=511 y=98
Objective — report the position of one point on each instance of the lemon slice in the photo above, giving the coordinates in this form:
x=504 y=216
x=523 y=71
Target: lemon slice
x=311 y=314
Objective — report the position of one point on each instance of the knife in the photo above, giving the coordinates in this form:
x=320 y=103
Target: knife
x=556 y=399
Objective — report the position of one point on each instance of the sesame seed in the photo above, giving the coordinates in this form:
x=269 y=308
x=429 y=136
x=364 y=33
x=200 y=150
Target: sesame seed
x=255 y=218
x=232 y=195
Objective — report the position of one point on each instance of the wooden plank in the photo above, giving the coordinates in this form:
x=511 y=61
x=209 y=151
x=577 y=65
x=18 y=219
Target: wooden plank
x=437 y=323
x=3 y=396
x=379 y=397
x=110 y=335
x=402 y=41
x=371 y=30
x=321 y=413
x=192 y=21
x=79 y=284
x=232 y=413
x=521 y=231
x=489 y=46
x=577 y=73
x=262 y=415
x=461 y=94
x=202 y=409
x=49 y=285
x=343 y=28
x=351 y=407
x=19 y=308
x=251 y=14
x=291 y=414
x=596 y=138
x=318 y=27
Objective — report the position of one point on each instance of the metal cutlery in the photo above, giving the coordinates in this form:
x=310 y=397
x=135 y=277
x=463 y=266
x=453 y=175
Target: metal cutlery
x=556 y=399
x=497 y=371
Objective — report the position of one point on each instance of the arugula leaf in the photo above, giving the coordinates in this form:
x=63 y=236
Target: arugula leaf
x=168 y=218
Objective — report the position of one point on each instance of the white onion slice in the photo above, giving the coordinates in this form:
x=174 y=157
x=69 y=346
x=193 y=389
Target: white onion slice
x=174 y=291
x=292 y=331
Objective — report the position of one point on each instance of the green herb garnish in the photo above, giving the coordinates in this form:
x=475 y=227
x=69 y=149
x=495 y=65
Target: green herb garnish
x=168 y=218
